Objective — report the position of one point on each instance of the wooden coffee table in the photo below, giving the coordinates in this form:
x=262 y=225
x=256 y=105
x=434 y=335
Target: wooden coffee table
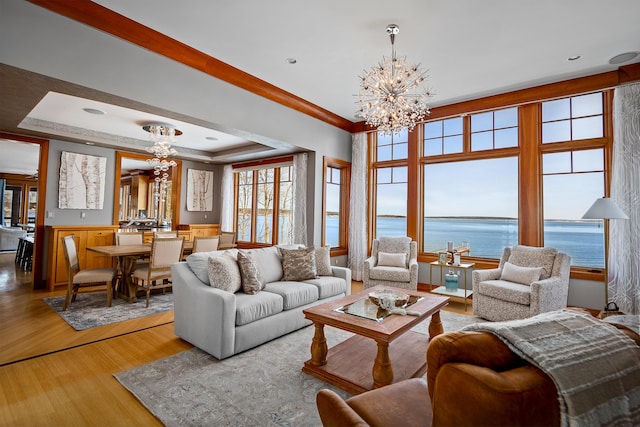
x=381 y=352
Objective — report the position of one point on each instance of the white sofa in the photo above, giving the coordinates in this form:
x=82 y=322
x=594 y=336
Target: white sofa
x=225 y=323
x=9 y=237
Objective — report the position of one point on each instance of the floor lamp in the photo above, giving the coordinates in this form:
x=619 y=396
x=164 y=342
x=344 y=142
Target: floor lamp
x=605 y=209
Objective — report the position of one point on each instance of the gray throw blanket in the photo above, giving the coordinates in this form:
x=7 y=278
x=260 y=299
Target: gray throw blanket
x=595 y=367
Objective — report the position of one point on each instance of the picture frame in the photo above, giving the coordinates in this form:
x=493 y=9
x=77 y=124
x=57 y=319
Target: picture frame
x=82 y=181
x=199 y=190
x=442 y=257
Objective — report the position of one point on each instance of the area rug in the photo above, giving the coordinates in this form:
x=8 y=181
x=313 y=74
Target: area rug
x=260 y=387
x=90 y=310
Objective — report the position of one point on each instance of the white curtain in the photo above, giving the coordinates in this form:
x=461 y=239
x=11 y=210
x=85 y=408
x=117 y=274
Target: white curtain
x=358 y=207
x=624 y=235
x=226 y=211
x=299 y=228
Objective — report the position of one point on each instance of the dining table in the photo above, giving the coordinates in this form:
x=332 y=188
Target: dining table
x=127 y=257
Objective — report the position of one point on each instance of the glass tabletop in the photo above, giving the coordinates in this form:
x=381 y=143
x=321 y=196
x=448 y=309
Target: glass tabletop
x=367 y=309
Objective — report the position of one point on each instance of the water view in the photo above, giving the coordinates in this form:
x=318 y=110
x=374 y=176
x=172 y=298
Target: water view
x=487 y=237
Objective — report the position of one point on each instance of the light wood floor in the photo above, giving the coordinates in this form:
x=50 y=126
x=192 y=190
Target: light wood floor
x=52 y=375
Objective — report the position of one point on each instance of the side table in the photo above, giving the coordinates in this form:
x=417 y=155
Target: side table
x=442 y=290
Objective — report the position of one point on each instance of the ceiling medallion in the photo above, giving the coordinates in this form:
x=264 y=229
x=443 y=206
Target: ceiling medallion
x=391 y=96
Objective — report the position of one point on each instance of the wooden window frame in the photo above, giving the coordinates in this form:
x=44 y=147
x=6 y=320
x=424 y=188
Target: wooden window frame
x=529 y=152
x=345 y=188
x=275 y=164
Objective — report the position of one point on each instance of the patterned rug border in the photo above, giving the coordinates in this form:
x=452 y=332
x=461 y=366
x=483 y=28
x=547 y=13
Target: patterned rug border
x=263 y=386
x=90 y=309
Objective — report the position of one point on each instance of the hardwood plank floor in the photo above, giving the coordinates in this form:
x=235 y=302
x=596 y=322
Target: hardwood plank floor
x=53 y=375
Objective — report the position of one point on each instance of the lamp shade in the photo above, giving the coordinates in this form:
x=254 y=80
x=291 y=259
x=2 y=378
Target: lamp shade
x=604 y=208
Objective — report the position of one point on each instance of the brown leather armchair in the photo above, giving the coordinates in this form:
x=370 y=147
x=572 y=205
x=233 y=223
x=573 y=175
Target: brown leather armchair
x=403 y=404
x=473 y=379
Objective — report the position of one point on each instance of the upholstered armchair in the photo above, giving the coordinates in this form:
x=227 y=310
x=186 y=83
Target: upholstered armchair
x=393 y=262
x=528 y=281
x=474 y=379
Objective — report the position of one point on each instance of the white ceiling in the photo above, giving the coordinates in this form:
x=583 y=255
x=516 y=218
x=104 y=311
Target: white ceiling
x=471 y=48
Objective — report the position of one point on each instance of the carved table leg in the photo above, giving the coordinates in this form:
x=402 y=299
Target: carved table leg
x=319 y=346
x=382 y=370
x=435 y=326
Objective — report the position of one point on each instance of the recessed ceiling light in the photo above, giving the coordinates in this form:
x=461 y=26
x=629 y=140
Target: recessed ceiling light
x=211 y=138
x=94 y=111
x=623 y=57
x=291 y=60
x=574 y=58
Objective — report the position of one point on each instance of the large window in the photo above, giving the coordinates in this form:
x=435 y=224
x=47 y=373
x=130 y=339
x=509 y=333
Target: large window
x=337 y=178
x=573 y=180
x=391 y=201
x=472 y=201
x=264 y=204
x=574 y=176
x=498 y=177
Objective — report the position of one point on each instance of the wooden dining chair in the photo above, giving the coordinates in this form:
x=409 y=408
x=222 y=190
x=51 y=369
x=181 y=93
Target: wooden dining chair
x=205 y=243
x=129 y=238
x=227 y=240
x=89 y=277
x=165 y=234
x=156 y=275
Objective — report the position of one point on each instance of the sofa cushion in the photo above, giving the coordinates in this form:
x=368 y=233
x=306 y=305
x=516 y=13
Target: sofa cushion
x=506 y=291
x=392 y=260
x=293 y=294
x=529 y=256
x=199 y=264
x=250 y=308
x=251 y=281
x=522 y=275
x=224 y=273
x=323 y=261
x=268 y=263
x=328 y=286
x=394 y=274
x=298 y=264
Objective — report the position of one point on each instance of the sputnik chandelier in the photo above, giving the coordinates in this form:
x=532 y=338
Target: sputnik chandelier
x=163 y=136
x=391 y=97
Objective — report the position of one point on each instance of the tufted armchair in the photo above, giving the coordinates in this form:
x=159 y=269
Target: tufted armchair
x=528 y=281
x=393 y=262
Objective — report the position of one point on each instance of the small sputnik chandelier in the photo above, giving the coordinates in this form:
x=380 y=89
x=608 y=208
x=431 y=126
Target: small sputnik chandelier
x=391 y=97
x=163 y=136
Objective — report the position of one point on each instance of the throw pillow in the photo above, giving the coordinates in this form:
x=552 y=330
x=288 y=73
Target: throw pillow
x=529 y=256
x=199 y=263
x=251 y=283
x=392 y=260
x=323 y=261
x=522 y=275
x=224 y=273
x=298 y=264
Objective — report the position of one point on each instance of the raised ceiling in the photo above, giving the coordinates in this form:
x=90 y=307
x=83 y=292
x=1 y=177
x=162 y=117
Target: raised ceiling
x=471 y=49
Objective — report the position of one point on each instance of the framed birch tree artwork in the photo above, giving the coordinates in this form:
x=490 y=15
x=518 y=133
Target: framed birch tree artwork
x=199 y=190
x=81 y=183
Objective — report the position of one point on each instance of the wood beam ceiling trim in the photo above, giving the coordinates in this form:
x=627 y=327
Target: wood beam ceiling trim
x=104 y=19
